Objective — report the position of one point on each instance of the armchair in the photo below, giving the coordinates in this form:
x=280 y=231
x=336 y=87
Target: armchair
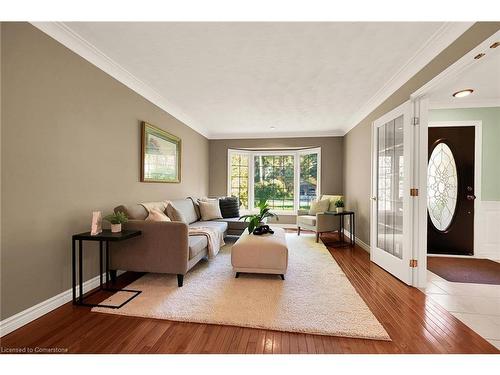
x=319 y=222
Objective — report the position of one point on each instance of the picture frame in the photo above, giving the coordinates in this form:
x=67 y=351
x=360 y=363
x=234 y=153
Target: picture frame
x=160 y=155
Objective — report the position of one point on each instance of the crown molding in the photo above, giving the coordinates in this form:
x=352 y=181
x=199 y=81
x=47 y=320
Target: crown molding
x=67 y=37
x=273 y=134
x=476 y=103
x=441 y=39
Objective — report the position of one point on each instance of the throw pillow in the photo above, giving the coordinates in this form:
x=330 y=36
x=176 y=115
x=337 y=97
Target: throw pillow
x=229 y=207
x=210 y=210
x=174 y=214
x=157 y=215
x=319 y=206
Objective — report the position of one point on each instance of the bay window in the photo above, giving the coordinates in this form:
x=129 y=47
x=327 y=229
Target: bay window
x=287 y=179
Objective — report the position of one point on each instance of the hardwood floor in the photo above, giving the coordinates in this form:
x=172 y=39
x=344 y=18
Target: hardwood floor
x=415 y=323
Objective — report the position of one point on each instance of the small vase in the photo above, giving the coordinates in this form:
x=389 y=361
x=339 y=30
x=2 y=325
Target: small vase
x=116 y=228
x=340 y=209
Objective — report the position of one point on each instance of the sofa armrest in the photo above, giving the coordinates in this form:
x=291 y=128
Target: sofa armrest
x=326 y=223
x=163 y=247
x=302 y=212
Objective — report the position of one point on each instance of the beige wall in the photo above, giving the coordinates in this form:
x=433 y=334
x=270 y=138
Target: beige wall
x=331 y=161
x=356 y=156
x=70 y=144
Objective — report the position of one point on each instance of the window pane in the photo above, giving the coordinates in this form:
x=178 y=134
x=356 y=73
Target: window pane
x=308 y=180
x=273 y=181
x=239 y=178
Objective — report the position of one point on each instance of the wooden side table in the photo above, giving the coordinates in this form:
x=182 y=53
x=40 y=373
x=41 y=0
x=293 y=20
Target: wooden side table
x=103 y=238
x=352 y=226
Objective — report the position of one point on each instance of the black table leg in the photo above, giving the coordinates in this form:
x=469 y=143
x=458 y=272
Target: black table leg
x=353 y=229
x=80 y=270
x=351 y=237
x=107 y=264
x=100 y=264
x=73 y=268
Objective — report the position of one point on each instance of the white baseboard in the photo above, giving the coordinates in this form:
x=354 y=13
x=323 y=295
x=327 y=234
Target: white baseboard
x=361 y=244
x=26 y=316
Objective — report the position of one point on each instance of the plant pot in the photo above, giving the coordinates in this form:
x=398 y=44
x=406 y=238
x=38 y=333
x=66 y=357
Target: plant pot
x=340 y=209
x=116 y=228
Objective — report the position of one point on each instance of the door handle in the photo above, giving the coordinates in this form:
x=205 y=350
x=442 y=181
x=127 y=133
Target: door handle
x=471 y=197
x=374 y=198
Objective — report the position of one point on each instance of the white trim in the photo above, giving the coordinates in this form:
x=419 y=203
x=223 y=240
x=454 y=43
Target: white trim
x=441 y=39
x=265 y=135
x=359 y=242
x=453 y=104
x=458 y=67
x=478 y=152
x=26 y=316
x=76 y=43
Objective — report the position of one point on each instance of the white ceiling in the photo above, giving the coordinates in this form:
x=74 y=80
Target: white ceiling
x=483 y=76
x=230 y=80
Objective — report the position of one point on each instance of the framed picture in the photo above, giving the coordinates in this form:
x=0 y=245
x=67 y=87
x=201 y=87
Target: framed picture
x=160 y=155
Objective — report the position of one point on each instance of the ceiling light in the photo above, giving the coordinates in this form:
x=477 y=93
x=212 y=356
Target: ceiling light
x=463 y=93
x=272 y=127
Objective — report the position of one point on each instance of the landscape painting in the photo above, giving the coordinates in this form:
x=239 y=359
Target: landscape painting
x=160 y=154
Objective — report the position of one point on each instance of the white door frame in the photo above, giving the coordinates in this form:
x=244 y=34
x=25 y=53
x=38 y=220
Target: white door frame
x=398 y=267
x=478 y=144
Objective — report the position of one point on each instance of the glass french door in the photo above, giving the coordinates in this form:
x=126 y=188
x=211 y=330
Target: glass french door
x=390 y=238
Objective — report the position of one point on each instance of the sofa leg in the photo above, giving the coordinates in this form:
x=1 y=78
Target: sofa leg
x=237 y=275
x=317 y=236
x=282 y=277
x=180 y=280
x=112 y=275
x=298 y=231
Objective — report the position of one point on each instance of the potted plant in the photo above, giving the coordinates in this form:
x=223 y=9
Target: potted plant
x=339 y=204
x=116 y=219
x=257 y=220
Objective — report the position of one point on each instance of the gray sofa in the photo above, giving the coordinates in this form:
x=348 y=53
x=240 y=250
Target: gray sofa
x=166 y=247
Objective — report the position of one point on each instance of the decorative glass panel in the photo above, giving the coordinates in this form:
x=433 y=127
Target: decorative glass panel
x=442 y=185
x=390 y=187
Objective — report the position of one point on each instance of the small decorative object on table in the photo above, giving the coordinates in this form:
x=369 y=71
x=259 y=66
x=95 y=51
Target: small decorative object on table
x=96 y=227
x=116 y=219
x=256 y=221
x=339 y=204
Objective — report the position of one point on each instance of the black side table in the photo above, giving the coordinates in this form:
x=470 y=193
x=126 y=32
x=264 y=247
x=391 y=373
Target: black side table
x=352 y=226
x=103 y=238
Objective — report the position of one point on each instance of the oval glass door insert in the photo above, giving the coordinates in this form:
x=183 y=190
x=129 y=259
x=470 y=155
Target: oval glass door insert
x=442 y=187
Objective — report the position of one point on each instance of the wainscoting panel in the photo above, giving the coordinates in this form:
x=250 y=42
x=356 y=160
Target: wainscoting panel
x=488 y=230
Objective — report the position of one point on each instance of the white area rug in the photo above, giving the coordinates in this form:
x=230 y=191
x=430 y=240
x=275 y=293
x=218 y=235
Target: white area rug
x=316 y=296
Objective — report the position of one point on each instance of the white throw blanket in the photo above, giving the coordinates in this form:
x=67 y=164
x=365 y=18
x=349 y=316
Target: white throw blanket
x=215 y=239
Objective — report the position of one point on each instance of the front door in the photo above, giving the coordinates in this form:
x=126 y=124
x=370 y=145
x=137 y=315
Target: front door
x=450 y=190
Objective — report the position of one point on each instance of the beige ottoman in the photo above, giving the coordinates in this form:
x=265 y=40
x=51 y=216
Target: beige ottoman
x=261 y=254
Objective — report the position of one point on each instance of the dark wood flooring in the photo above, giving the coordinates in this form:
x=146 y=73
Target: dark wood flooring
x=415 y=323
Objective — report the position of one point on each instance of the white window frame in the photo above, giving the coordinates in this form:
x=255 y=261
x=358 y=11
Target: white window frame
x=296 y=175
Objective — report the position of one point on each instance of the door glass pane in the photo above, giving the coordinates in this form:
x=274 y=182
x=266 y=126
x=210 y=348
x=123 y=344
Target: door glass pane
x=390 y=169
x=442 y=184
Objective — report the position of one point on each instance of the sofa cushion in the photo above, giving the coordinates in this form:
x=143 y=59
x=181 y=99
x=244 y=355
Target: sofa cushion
x=218 y=225
x=307 y=220
x=333 y=199
x=210 y=210
x=157 y=215
x=185 y=208
x=319 y=206
x=229 y=207
x=196 y=245
x=234 y=223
